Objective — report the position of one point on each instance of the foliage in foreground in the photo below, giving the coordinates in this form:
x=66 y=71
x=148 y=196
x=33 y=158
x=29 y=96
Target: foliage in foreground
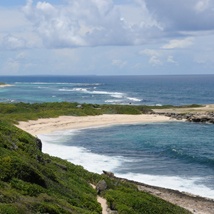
x=33 y=182
x=125 y=198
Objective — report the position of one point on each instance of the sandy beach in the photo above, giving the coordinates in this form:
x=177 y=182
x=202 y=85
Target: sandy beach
x=195 y=204
x=44 y=126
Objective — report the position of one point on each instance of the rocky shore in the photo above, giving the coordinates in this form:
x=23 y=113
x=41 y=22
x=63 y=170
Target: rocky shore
x=191 y=117
x=194 y=203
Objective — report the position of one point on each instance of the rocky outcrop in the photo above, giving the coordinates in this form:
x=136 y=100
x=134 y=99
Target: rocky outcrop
x=198 y=117
x=101 y=186
x=109 y=174
x=39 y=144
x=202 y=118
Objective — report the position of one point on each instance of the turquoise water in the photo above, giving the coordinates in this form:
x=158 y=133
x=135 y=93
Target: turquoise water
x=176 y=155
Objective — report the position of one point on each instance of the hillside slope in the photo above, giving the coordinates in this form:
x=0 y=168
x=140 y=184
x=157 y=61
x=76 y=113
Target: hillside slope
x=33 y=182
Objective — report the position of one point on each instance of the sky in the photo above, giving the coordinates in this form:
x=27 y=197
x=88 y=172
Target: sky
x=106 y=37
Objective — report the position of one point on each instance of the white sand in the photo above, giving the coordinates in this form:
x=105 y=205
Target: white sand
x=44 y=126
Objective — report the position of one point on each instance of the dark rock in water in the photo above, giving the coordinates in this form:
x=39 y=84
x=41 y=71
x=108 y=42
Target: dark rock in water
x=39 y=144
x=101 y=186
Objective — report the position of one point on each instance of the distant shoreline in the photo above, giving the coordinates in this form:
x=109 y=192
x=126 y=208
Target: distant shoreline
x=4 y=85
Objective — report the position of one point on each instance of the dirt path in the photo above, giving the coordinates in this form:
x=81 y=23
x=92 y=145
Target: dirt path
x=102 y=202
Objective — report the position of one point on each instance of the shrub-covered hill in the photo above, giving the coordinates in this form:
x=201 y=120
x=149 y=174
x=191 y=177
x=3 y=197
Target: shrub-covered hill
x=33 y=182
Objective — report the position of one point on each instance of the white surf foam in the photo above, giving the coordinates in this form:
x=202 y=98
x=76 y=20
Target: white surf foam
x=94 y=92
x=107 y=93
x=79 y=155
x=114 y=101
x=119 y=96
x=84 y=90
x=134 y=99
x=53 y=145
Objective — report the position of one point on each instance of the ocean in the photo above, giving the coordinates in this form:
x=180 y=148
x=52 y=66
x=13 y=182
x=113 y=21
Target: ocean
x=175 y=155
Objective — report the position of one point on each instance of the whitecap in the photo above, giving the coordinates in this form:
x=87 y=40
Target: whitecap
x=119 y=96
x=107 y=93
x=114 y=101
x=134 y=99
x=84 y=90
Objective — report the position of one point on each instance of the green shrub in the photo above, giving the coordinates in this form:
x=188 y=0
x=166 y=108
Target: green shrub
x=9 y=209
x=26 y=188
x=127 y=199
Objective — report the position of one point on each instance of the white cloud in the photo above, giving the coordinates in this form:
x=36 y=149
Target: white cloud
x=91 y=23
x=170 y=59
x=11 y=66
x=12 y=43
x=119 y=63
x=178 y=43
x=154 y=60
x=154 y=56
x=202 y=5
x=191 y=15
x=158 y=57
x=150 y=52
x=45 y=37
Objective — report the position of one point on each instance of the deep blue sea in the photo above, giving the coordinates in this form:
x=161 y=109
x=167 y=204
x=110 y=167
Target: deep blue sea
x=148 y=90
x=176 y=155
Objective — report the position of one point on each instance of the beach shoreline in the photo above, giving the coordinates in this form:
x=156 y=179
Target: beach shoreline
x=4 y=85
x=49 y=125
x=195 y=204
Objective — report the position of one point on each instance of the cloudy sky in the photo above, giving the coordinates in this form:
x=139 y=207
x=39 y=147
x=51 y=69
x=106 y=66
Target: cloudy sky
x=106 y=37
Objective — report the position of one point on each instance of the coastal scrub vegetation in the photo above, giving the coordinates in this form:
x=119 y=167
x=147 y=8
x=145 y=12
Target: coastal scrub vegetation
x=25 y=111
x=34 y=182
